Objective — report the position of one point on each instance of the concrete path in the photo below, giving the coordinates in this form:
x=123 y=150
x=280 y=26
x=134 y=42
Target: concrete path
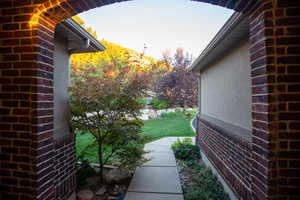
x=157 y=179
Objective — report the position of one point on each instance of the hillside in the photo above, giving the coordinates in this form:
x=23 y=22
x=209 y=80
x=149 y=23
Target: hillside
x=114 y=53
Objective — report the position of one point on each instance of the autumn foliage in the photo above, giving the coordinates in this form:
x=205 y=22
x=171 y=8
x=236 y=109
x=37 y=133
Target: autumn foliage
x=106 y=105
x=178 y=87
x=115 y=55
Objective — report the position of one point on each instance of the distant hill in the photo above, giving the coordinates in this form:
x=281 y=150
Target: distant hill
x=113 y=53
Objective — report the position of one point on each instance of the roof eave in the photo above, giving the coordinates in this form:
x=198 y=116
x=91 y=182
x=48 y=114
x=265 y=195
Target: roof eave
x=80 y=32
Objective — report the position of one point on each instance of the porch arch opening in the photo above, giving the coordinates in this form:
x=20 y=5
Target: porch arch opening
x=49 y=17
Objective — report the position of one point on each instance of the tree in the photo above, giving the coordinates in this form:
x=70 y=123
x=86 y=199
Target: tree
x=178 y=87
x=106 y=105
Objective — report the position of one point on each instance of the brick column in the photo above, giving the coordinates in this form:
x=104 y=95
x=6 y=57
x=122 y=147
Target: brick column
x=275 y=44
x=26 y=109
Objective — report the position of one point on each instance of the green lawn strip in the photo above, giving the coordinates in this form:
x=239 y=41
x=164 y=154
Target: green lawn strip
x=171 y=126
x=175 y=126
x=83 y=140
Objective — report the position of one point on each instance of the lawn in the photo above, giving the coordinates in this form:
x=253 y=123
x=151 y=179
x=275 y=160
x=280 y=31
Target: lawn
x=174 y=124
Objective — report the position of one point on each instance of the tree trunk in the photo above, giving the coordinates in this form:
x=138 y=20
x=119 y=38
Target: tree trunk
x=100 y=157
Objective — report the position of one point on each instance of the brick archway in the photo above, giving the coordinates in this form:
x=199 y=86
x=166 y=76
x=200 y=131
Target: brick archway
x=28 y=151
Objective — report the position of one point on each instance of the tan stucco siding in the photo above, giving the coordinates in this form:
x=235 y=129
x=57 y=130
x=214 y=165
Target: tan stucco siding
x=61 y=83
x=226 y=87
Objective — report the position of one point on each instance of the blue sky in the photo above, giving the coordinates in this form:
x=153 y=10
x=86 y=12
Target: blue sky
x=160 y=24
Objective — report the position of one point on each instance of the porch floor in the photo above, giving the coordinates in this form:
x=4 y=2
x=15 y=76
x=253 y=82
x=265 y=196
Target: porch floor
x=157 y=179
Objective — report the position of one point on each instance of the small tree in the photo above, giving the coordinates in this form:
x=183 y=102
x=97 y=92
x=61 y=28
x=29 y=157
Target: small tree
x=106 y=105
x=178 y=87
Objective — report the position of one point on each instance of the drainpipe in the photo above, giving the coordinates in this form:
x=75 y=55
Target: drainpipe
x=199 y=105
x=87 y=43
x=199 y=93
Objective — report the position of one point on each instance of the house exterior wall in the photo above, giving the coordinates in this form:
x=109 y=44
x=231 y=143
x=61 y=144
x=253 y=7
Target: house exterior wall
x=229 y=154
x=225 y=94
x=226 y=87
x=65 y=178
x=61 y=83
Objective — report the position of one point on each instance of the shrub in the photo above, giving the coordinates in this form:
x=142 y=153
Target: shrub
x=131 y=154
x=159 y=104
x=196 y=194
x=185 y=150
x=169 y=115
x=190 y=113
x=185 y=141
x=191 y=163
x=142 y=100
x=206 y=186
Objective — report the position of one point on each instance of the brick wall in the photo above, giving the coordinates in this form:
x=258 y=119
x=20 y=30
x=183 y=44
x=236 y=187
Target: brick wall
x=286 y=20
x=230 y=155
x=275 y=96
x=65 y=167
x=26 y=109
x=27 y=149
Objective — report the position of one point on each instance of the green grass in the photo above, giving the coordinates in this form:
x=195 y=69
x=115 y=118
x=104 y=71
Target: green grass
x=170 y=125
x=81 y=142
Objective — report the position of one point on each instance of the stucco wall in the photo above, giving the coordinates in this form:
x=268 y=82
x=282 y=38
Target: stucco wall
x=61 y=83
x=226 y=87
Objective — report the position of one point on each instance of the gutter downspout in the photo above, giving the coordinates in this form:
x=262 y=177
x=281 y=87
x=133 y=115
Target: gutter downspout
x=87 y=43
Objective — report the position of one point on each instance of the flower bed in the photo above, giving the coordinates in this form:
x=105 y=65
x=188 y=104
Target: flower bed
x=198 y=182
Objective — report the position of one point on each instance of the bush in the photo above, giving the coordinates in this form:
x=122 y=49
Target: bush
x=142 y=100
x=159 y=104
x=185 y=141
x=206 y=186
x=185 y=150
x=190 y=113
x=169 y=115
x=131 y=154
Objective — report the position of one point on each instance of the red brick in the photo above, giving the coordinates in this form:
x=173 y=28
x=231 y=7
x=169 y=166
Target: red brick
x=294 y=106
x=5 y=19
x=22 y=18
x=10 y=11
x=22 y=2
x=286 y=3
x=5 y=50
x=10 y=42
x=288 y=78
x=293 y=30
x=8 y=27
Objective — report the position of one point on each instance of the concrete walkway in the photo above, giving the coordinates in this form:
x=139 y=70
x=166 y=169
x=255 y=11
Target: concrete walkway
x=157 y=179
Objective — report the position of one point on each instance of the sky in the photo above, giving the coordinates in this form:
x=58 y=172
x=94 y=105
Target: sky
x=158 y=24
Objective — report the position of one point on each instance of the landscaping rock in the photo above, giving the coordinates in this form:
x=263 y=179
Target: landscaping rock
x=86 y=195
x=116 y=164
x=111 y=198
x=117 y=175
x=101 y=191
